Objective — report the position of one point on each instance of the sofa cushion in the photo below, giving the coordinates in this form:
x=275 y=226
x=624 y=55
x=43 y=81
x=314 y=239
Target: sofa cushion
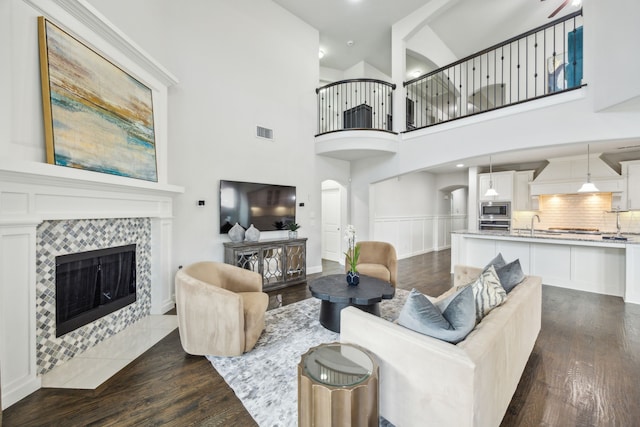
x=510 y=275
x=450 y=319
x=487 y=292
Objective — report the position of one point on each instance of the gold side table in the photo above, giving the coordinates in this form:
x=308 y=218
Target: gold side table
x=337 y=386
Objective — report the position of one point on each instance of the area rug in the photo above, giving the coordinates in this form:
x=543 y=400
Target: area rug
x=266 y=378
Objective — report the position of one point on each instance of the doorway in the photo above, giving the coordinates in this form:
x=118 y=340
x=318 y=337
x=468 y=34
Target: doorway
x=333 y=213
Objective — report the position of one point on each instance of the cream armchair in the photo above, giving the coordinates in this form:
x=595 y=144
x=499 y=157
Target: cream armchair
x=377 y=259
x=220 y=308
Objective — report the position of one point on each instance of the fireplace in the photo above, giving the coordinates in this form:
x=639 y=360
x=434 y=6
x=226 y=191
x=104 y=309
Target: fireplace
x=73 y=242
x=92 y=284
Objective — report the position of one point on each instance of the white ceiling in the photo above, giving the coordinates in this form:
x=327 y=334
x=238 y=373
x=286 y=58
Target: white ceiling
x=366 y=22
x=465 y=26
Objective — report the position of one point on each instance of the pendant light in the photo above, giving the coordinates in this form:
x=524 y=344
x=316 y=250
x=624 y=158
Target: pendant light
x=588 y=187
x=491 y=192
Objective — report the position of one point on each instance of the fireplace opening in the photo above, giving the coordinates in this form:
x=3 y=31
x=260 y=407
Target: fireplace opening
x=92 y=284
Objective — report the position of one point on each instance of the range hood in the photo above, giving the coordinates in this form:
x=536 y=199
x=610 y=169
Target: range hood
x=565 y=175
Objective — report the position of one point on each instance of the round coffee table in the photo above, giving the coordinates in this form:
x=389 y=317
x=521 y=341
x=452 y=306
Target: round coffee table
x=337 y=385
x=336 y=295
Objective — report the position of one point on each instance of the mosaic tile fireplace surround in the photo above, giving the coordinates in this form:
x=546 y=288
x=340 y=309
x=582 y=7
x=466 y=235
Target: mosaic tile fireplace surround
x=63 y=237
x=47 y=211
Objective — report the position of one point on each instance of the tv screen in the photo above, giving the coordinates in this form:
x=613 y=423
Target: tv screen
x=268 y=207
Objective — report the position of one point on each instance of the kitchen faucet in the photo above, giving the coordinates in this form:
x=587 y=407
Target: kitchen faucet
x=532 y=217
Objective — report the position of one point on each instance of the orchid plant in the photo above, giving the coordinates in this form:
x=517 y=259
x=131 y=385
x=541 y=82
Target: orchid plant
x=353 y=253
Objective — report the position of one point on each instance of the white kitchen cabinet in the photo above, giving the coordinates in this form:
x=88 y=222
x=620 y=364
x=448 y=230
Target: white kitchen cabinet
x=630 y=199
x=521 y=192
x=502 y=183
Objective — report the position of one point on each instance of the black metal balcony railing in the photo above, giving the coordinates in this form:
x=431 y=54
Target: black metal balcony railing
x=544 y=61
x=355 y=104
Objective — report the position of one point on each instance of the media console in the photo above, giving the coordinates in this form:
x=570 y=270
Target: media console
x=281 y=262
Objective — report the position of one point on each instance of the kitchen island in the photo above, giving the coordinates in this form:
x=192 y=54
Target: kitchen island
x=586 y=262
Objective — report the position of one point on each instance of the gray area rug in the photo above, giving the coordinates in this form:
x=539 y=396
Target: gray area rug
x=266 y=378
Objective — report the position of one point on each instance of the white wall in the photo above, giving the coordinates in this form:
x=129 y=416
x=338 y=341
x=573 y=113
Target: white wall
x=614 y=39
x=363 y=70
x=25 y=133
x=428 y=44
x=407 y=195
x=446 y=183
x=413 y=211
x=5 y=75
x=330 y=75
x=240 y=64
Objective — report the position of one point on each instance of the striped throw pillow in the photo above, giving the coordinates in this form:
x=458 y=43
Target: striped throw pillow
x=487 y=292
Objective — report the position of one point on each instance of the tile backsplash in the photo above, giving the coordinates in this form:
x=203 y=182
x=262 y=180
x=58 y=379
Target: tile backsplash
x=578 y=211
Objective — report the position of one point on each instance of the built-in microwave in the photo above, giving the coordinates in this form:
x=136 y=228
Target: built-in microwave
x=495 y=210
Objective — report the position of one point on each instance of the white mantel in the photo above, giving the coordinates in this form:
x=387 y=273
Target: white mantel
x=32 y=193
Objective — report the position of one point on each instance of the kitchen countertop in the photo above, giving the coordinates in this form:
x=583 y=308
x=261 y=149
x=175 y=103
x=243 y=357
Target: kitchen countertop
x=525 y=234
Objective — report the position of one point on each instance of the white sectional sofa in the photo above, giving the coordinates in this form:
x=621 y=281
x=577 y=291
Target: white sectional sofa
x=425 y=381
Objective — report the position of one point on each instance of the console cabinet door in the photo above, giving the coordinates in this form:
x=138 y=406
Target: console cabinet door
x=295 y=261
x=280 y=262
x=272 y=265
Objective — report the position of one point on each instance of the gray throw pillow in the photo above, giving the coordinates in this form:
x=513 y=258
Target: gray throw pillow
x=498 y=261
x=452 y=324
x=510 y=275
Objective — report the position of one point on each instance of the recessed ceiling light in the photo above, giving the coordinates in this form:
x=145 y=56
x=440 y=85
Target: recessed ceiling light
x=321 y=54
x=460 y=165
x=350 y=43
x=417 y=73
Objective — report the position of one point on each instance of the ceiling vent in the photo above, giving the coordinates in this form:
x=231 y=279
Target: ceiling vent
x=264 y=132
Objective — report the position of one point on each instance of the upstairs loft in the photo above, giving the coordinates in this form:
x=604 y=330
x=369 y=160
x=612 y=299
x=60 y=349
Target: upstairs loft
x=356 y=117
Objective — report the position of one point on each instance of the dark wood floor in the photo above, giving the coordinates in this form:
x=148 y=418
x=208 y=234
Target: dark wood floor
x=584 y=370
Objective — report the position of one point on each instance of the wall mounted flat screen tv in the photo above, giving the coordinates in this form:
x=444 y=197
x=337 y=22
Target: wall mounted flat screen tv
x=267 y=206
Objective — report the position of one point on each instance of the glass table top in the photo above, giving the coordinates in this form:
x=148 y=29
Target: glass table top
x=338 y=365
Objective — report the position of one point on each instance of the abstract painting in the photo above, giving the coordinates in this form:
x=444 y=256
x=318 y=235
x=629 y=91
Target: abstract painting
x=97 y=116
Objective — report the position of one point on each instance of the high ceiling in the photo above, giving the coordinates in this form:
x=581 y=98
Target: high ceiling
x=465 y=26
x=365 y=22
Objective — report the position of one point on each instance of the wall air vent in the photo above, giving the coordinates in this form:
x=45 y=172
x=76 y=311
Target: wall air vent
x=264 y=132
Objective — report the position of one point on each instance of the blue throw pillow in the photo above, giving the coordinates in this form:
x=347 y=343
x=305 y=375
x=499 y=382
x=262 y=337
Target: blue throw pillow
x=510 y=275
x=497 y=262
x=449 y=320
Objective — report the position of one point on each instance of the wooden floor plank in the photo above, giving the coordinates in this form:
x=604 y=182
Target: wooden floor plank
x=584 y=369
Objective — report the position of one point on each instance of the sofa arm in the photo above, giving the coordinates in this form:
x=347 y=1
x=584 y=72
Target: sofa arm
x=418 y=374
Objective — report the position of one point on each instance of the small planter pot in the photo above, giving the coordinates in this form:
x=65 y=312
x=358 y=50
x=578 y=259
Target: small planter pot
x=293 y=234
x=353 y=278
